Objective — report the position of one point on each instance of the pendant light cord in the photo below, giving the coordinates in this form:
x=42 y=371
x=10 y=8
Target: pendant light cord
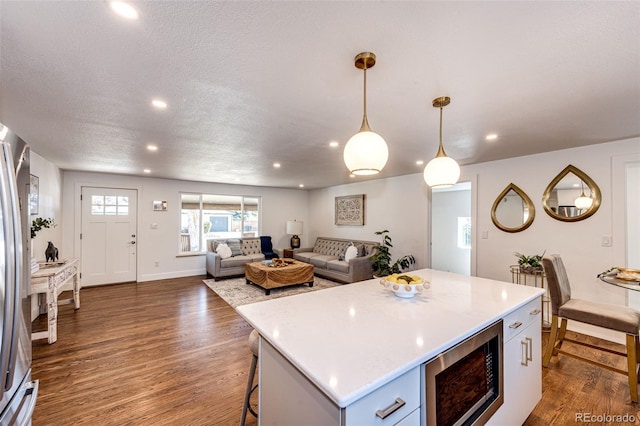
x=441 y=152
x=365 y=123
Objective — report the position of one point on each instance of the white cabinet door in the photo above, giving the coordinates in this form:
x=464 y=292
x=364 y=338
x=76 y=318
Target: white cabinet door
x=522 y=376
x=286 y=397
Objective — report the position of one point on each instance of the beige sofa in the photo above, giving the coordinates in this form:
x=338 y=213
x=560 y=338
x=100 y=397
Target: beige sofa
x=326 y=255
x=232 y=266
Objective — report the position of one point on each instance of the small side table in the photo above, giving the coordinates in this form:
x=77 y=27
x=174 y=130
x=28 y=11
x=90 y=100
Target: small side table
x=287 y=253
x=535 y=279
x=47 y=283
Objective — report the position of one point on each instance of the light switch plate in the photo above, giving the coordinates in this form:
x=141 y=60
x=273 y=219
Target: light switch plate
x=606 y=241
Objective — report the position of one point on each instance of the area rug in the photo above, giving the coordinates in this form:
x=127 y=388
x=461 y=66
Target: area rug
x=236 y=292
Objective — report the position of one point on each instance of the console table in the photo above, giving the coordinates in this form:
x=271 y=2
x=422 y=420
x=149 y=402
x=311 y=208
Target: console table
x=47 y=283
x=535 y=278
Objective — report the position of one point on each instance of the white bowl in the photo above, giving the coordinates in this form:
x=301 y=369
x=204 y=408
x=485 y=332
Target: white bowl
x=405 y=290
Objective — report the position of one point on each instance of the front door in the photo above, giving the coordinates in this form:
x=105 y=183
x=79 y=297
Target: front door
x=108 y=239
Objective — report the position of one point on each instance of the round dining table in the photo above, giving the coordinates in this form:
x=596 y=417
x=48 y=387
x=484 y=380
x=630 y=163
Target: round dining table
x=611 y=278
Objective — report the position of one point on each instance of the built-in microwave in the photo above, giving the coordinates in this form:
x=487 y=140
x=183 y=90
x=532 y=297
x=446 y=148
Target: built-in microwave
x=464 y=385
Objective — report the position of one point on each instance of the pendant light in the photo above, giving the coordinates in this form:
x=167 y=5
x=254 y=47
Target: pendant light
x=366 y=153
x=442 y=171
x=583 y=202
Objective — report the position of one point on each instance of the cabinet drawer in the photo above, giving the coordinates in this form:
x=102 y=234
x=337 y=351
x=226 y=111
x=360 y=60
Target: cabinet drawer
x=519 y=319
x=412 y=419
x=371 y=408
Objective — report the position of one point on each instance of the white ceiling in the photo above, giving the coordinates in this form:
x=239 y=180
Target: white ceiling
x=253 y=83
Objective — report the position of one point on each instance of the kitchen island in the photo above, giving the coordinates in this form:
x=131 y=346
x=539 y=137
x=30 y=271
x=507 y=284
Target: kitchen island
x=335 y=356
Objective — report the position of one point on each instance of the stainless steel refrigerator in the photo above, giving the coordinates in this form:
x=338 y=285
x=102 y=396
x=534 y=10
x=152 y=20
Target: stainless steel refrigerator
x=18 y=392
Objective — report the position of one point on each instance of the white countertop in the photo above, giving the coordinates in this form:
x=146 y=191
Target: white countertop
x=351 y=339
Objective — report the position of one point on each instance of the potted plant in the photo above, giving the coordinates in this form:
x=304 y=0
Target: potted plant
x=529 y=264
x=381 y=257
x=39 y=223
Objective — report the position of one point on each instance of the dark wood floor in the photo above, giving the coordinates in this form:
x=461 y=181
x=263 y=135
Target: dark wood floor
x=172 y=352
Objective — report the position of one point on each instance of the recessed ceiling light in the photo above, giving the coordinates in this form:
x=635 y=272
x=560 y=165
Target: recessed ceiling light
x=301 y=185
x=124 y=9
x=419 y=162
x=491 y=137
x=334 y=144
x=158 y=103
x=152 y=147
x=276 y=165
x=147 y=170
x=352 y=175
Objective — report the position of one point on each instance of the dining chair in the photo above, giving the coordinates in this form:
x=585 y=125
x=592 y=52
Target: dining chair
x=613 y=317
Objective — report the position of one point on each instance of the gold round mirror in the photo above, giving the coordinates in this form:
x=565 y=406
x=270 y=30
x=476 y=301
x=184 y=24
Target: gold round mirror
x=513 y=210
x=571 y=196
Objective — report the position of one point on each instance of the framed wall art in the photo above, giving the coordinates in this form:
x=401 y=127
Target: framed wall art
x=34 y=194
x=160 y=206
x=350 y=210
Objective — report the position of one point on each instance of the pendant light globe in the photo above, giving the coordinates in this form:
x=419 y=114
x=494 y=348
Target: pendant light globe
x=442 y=171
x=583 y=202
x=366 y=152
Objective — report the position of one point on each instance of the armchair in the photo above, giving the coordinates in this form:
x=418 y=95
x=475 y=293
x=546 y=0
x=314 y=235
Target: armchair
x=267 y=247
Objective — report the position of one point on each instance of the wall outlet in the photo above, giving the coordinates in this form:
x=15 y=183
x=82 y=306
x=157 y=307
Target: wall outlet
x=606 y=241
x=157 y=263
x=485 y=235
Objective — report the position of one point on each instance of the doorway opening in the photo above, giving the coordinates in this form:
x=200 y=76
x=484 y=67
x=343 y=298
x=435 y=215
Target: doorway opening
x=451 y=229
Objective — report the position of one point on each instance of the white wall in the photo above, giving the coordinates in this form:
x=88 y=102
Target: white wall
x=402 y=205
x=399 y=204
x=161 y=244
x=49 y=205
x=579 y=243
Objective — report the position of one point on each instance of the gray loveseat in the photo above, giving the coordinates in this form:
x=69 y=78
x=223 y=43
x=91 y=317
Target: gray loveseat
x=232 y=266
x=326 y=255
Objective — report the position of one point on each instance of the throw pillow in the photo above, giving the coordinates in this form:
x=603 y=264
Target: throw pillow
x=344 y=250
x=236 y=247
x=351 y=253
x=360 y=248
x=223 y=251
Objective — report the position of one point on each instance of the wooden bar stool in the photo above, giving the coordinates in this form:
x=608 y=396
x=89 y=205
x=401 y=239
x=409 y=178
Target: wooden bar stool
x=253 y=345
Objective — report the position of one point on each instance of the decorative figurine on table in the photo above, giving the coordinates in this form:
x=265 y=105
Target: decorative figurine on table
x=51 y=252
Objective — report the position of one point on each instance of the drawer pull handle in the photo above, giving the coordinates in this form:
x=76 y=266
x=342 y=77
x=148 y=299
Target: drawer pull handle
x=515 y=325
x=383 y=414
x=527 y=353
x=535 y=312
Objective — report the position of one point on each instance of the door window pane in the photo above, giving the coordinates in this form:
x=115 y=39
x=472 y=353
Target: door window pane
x=109 y=205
